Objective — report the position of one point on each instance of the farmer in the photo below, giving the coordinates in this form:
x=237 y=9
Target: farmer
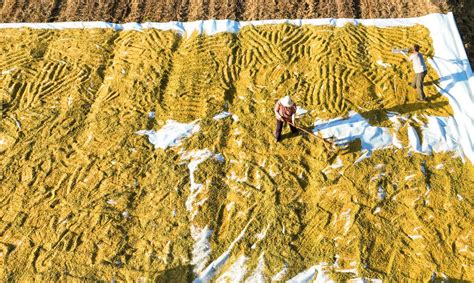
x=285 y=110
x=420 y=71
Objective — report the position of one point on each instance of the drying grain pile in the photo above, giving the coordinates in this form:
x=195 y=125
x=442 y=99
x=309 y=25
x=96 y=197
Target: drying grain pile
x=85 y=197
x=123 y=11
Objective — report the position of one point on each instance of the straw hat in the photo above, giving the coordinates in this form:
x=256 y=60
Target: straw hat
x=286 y=101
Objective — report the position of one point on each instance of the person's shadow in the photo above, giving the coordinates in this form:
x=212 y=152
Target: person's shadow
x=381 y=115
x=182 y=273
x=463 y=74
x=453 y=78
x=289 y=134
x=449 y=279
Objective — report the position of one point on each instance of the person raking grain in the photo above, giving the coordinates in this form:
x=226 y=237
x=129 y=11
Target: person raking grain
x=285 y=111
x=419 y=67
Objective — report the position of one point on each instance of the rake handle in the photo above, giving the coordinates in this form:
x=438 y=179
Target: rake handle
x=310 y=133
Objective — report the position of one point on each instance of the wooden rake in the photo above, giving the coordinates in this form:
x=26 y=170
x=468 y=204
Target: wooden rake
x=326 y=142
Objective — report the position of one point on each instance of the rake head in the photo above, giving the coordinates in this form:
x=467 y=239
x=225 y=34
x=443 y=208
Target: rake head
x=400 y=50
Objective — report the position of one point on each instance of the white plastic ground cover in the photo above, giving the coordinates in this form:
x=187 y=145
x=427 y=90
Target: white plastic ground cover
x=353 y=127
x=450 y=61
x=208 y=273
x=171 y=134
x=439 y=133
x=196 y=157
x=201 y=249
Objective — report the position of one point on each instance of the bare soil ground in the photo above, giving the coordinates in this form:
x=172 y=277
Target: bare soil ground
x=190 y=10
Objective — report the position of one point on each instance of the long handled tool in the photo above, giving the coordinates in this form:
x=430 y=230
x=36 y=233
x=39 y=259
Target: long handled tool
x=311 y=134
x=403 y=51
x=400 y=50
